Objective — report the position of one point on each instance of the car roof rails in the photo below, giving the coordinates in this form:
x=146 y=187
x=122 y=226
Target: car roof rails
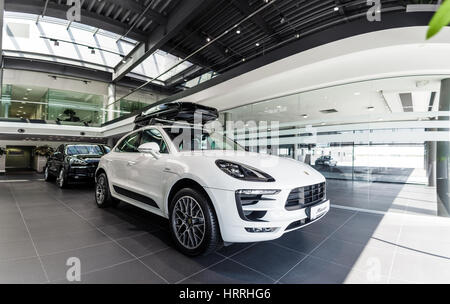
x=176 y=113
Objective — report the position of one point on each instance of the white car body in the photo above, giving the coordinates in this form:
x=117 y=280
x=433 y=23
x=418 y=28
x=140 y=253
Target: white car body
x=146 y=176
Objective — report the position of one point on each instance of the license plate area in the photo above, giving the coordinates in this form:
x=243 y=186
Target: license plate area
x=318 y=210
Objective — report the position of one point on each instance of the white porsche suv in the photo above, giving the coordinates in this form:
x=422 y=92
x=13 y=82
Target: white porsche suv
x=211 y=190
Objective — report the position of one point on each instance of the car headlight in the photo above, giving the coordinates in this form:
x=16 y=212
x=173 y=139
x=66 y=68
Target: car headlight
x=243 y=172
x=77 y=162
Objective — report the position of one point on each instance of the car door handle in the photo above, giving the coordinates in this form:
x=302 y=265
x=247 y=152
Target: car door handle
x=131 y=163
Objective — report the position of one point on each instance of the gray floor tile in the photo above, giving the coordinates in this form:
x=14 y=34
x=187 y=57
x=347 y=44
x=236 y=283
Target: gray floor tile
x=421 y=268
x=174 y=266
x=369 y=258
x=27 y=271
x=233 y=249
x=92 y=258
x=127 y=229
x=316 y=271
x=301 y=241
x=228 y=272
x=127 y=273
x=147 y=243
x=270 y=259
x=69 y=241
x=16 y=250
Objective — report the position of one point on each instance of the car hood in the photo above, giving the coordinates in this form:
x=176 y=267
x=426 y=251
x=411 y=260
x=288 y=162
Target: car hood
x=287 y=172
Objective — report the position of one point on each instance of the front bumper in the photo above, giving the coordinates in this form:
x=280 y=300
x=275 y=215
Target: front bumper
x=276 y=221
x=81 y=174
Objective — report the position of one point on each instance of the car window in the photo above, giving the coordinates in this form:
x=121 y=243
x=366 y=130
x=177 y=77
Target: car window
x=130 y=143
x=84 y=150
x=153 y=135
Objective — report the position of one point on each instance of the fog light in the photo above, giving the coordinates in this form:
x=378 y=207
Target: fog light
x=260 y=230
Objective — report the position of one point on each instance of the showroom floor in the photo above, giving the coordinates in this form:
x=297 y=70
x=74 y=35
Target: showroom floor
x=41 y=227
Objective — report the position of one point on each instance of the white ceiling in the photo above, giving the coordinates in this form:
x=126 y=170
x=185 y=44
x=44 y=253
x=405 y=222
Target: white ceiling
x=375 y=98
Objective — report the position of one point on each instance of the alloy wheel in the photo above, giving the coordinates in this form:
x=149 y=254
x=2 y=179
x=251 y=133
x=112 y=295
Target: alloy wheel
x=61 y=178
x=188 y=222
x=100 y=190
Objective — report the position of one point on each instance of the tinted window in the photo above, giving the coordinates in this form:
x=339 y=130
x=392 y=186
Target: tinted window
x=153 y=135
x=130 y=143
x=85 y=150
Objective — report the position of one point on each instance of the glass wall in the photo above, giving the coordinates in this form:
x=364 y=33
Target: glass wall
x=374 y=134
x=59 y=100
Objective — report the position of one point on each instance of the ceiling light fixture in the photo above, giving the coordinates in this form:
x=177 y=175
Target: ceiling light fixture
x=257 y=44
x=336 y=9
x=370 y=108
x=208 y=39
x=305 y=115
x=297 y=36
x=238 y=31
x=357 y=93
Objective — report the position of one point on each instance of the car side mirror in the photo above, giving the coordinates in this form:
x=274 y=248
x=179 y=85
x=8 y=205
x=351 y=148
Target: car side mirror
x=150 y=148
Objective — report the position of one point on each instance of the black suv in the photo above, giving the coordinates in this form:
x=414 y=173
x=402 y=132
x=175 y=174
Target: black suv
x=74 y=163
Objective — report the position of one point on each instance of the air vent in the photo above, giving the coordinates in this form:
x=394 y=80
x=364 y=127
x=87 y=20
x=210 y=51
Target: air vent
x=329 y=111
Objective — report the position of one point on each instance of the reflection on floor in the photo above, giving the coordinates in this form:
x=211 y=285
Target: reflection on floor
x=400 y=198
x=42 y=226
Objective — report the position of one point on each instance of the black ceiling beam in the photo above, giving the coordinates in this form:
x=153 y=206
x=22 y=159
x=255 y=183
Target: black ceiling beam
x=186 y=75
x=246 y=10
x=137 y=7
x=181 y=15
x=60 y=11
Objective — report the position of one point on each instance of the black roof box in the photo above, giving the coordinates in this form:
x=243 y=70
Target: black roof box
x=176 y=111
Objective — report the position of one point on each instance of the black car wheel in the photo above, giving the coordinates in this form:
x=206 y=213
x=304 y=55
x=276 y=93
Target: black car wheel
x=193 y=223
x=48 y=177
x=103 y=196
x=61 y=181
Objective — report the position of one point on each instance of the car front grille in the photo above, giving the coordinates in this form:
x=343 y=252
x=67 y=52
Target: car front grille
x=306 y=196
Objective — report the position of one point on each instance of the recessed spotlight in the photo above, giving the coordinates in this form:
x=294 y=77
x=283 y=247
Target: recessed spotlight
x=257 y=44
x=305 y=115
x=208 y=39
x=370 y=108
x=243 y=59
x=357 y=93
x=336 y=9
x=297 y=36
x=238 y=31
x=323 y=124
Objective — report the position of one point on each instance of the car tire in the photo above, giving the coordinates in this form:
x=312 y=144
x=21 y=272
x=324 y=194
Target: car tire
x=195 y=229
x=48 y=177
x=103 y=197
x=61 y=180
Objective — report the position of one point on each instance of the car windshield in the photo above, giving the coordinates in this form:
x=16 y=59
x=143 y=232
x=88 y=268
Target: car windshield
x=191 y=139
x=85 y=150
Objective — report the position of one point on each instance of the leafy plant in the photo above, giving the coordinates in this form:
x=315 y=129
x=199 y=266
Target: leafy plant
x=44 y=151
x=440 y=19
